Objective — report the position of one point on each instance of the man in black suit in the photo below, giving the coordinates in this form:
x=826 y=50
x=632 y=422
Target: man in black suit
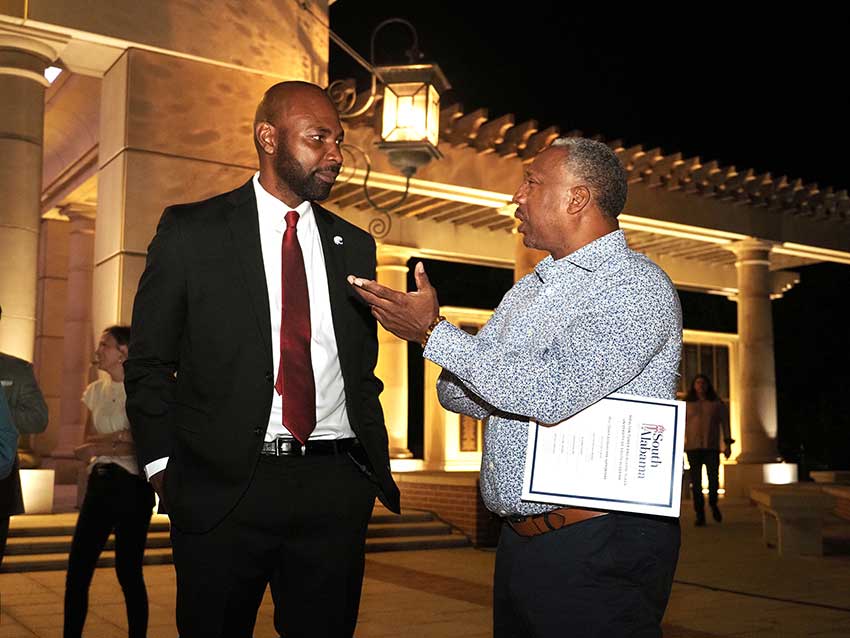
x=268 y=471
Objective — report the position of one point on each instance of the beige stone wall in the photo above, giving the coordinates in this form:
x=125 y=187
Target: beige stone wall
x=278 y=38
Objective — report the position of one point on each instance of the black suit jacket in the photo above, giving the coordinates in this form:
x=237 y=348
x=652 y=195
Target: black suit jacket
x=29 y=416
x=199 y=375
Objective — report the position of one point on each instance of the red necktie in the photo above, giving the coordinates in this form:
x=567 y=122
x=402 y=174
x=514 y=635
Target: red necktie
x=295 y=373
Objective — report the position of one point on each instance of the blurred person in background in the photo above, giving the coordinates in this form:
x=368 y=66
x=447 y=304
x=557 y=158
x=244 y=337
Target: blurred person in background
x=117 y=498
x=707 y=418
x=29 y=416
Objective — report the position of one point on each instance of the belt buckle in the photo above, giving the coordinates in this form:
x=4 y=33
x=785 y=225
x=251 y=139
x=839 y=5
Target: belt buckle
x=285 y=447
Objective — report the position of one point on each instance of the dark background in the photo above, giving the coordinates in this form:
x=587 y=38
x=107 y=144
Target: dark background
x=764 y=91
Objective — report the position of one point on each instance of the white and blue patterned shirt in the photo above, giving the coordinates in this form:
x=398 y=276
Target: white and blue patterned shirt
x=603 y=319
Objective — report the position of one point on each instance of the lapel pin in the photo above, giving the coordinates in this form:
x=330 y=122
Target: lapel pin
x=338 y=240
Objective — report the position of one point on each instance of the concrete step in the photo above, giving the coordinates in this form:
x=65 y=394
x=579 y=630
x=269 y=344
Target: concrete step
x=383 y=515
x=24 y=545
x=59 y=561
x=42 y=543
x=425 y=528
x=162 y=555
x=62 y=525
x=34 y=545
x=410 y=543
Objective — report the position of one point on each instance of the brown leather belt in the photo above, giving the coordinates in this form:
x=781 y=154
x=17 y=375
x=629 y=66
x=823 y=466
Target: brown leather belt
x=550 y=521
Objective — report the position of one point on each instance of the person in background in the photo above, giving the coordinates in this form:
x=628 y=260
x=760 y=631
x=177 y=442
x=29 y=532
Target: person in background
x=117 y=498
x=707 y=417
x=29 y=416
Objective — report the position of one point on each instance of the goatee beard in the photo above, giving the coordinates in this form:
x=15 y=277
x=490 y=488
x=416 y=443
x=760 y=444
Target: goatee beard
x=305 y=185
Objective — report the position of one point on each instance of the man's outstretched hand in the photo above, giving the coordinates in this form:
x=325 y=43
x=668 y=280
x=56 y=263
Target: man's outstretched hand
x=406 y=315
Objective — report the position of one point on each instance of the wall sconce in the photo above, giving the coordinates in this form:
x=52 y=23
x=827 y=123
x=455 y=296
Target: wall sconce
x=408 y=121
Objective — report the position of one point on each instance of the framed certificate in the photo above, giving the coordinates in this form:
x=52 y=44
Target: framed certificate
x=622 y=453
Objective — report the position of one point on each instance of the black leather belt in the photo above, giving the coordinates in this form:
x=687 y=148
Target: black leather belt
x=290 y=447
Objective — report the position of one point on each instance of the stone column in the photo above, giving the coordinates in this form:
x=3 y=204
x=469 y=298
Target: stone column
x=525 y=259
x=49 y=340
x=757 y=384
x=392 y=354
x=22 y=83
x=78 y=345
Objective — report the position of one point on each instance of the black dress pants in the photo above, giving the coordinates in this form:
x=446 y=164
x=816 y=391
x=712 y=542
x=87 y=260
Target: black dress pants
x=606 y=577
x=301 y=527
x=123 y=502
x=711 y=460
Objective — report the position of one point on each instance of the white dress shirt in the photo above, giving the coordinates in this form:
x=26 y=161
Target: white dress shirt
x=331 y=415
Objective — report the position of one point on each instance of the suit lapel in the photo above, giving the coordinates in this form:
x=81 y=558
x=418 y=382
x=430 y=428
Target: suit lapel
x=336 y=265
x=245 y=230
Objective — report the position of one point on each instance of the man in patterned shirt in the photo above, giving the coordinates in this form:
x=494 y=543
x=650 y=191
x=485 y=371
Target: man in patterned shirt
x=593 y=318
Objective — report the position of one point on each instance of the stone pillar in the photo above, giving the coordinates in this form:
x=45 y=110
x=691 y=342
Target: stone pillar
x=49 y=340
x=757 y=463
x=392 y=354
x=757 y=384
x=22 y=62
x=78 y=345
x=525 y=259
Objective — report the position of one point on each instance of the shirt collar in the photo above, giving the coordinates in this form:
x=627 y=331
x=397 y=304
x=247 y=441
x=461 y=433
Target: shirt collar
x=273 y=210
x=589 y=257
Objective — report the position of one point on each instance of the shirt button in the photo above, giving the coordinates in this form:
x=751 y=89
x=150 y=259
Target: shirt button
x=503 y=512
x=491 y=465
x=258 y=431
x=269 y=377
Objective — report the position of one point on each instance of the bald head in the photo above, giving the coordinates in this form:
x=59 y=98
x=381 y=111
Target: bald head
x=278 y=98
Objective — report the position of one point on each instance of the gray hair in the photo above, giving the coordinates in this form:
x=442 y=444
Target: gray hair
x=595 y=163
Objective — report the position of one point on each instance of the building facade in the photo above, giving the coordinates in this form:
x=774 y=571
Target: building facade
x=155 y=106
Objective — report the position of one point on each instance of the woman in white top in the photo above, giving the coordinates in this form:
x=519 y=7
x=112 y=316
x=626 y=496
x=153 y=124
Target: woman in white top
x=117 y=498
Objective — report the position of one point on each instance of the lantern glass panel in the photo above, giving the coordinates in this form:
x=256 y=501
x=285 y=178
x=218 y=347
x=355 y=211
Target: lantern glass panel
x=433 y=116
x=406 y=117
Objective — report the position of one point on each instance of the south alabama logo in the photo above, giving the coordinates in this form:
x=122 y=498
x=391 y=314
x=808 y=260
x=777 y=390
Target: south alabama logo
x=651 y=436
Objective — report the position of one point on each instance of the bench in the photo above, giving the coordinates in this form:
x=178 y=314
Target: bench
x=792 y=517
x=840 y=477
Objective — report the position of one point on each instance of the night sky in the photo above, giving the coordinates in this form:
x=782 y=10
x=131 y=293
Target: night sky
x=764 y=91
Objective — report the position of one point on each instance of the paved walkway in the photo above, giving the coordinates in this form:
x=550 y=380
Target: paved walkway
x=727 y=584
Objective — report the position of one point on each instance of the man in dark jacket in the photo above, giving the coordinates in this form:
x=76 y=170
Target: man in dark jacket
x=251 y=390
x=29 y=416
